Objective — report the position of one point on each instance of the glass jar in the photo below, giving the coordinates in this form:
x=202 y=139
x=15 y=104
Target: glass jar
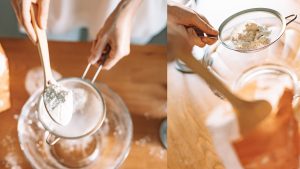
x=274 y=142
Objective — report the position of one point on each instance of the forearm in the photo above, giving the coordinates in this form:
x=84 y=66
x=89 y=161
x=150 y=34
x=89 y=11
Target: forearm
x=127 y=8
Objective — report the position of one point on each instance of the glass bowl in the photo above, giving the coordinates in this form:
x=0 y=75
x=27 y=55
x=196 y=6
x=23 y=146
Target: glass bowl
x=106 y=149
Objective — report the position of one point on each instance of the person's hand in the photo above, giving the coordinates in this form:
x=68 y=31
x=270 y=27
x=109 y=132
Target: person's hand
x=114 y=37
x=199 y=30
x=22 y=10
x=178 y=41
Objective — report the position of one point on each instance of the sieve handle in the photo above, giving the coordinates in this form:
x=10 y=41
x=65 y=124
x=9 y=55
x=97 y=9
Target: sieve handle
x=51 y=139
x=100 y=62
x=293 y=16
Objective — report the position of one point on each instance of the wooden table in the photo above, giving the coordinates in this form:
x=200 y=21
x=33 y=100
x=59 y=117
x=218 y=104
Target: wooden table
x=189 y=102
x=140 y=79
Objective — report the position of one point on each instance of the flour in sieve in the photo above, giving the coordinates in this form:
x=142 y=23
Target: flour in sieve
x=80 y=99
x=251 y=35
x=59 y=103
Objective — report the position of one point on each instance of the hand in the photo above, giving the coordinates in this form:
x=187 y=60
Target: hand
x=199 y=30
x=178 y=41
x=115 y=35
x=22 y=10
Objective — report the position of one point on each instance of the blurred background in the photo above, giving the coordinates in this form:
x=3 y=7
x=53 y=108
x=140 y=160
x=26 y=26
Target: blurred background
x=9 y=27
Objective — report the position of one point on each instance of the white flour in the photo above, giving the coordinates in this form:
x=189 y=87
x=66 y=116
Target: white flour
x=11 y=161
x=59 y=103
x=158 y=152
x=80 y=99
x=143 y=141
x=251 y=35
x=154 y=150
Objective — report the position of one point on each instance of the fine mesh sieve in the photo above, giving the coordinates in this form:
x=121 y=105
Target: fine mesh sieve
x=89 y=112
x=89 y=108
x=270 y=18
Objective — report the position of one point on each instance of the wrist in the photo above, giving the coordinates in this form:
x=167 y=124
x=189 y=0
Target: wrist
x=127 y=8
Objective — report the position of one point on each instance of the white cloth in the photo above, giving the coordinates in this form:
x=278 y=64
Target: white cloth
x=65 y=15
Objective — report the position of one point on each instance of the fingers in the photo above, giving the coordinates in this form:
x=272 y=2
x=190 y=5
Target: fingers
x=204 y=25
x=114 y=52
x=209 y=40
x=115 y=55
x=98 y=46
x=97 y=50
x=204 y=18
x=111 y=60
x=26 y=18
x=194 y=38
x=22 y=10
x=197 y=37
x=43 y=11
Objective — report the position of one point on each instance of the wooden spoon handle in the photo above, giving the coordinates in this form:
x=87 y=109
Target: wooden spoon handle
x=210 y=79
x=43 y=48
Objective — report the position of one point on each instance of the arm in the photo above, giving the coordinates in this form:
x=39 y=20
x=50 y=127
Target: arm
x=199 y=30
x=115 y=33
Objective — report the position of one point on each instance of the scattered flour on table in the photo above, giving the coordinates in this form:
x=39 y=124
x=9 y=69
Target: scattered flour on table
x=158 y=152
x=11 y=161
x=251 y=35
x=8 y=143
x=155 y=151
x=143 y=141
x=16 y=116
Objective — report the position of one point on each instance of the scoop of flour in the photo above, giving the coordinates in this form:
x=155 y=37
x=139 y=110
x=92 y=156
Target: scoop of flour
x=251 y=35
x=59 y=103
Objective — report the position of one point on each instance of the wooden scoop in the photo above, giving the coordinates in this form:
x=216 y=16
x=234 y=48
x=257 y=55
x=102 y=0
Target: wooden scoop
x=62 y=118
x=42 y=44
x=249 y=113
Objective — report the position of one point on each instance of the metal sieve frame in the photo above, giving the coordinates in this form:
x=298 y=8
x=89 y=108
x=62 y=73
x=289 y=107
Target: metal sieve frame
x=52 y=138
x=283 y=20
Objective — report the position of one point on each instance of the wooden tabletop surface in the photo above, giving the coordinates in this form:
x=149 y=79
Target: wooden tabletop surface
x=190 y=145
x=140 y=79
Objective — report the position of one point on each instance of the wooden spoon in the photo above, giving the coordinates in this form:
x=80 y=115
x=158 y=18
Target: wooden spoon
x=61 y=118
x=249 y=113
x=42 y=44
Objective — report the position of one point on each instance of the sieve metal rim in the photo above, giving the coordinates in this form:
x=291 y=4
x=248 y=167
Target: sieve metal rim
x=98 y=124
